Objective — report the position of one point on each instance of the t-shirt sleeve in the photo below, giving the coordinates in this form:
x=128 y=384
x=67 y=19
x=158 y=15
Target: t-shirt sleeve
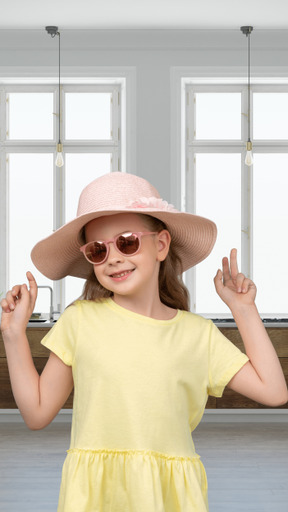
x=62 y=338
x=225 y=360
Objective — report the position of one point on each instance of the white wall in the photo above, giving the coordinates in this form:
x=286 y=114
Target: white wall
x=151 y=54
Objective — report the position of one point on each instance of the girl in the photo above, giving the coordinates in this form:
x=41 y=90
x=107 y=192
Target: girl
x=141 y=364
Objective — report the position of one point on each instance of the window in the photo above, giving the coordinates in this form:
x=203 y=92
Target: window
x=248 y=205
x=39 y=196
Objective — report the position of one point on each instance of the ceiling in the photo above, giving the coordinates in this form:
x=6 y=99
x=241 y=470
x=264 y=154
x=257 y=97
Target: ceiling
x=129 y=14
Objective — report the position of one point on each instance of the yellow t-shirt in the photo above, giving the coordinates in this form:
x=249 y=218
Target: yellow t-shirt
x=140 y=389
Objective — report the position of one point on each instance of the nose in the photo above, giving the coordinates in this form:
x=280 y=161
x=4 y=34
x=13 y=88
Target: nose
x=114 y=256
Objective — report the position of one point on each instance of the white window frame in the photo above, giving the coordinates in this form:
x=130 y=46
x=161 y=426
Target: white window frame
x=191 y=146
x=116 y=146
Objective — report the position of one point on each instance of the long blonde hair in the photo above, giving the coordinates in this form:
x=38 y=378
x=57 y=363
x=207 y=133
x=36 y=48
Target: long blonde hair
x=172 y=290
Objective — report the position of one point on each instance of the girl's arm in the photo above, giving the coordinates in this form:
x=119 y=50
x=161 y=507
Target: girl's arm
x=261 y=379
x=39 y=398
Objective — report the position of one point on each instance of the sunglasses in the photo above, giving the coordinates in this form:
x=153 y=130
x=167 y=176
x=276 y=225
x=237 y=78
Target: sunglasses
x=127 y=244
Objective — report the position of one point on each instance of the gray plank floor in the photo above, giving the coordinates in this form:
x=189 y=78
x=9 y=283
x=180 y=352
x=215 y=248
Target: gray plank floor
x=246 y=465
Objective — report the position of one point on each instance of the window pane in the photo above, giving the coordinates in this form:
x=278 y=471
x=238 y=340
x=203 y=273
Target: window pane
x=270 y=115
x=81 y=169
x=218 y=197
x=30 y=116
x=30 y=217
x=88 y=116
x=218 y=116
x=270 y=222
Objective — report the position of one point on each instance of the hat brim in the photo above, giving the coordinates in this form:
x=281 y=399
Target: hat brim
x=59 y=255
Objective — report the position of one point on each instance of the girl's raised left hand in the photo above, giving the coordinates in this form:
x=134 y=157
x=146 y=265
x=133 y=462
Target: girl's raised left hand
x=232 y=286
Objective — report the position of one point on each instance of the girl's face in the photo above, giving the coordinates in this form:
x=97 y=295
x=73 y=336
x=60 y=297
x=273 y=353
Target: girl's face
x=129 y=275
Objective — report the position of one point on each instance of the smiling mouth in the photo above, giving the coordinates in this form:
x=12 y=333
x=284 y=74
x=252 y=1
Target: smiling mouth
x=122 y=274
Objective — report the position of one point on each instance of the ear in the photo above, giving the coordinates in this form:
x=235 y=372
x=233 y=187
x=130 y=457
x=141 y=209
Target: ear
x=163 y=243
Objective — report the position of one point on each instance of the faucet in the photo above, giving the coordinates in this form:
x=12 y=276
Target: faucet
x=51 y=302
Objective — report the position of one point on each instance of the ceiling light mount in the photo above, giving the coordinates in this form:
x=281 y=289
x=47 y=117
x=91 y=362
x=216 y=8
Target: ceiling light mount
x=52 y=31
x=246 y=30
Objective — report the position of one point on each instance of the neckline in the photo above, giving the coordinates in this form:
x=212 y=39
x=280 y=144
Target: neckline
x=127 y=312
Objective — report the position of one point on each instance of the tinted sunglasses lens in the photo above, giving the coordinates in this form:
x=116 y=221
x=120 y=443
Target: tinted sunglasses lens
x=128 y=244
x=96 y=252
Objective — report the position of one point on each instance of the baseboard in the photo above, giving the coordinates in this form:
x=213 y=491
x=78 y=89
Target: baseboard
x=210 y=416
x=245 y=416
x=14 y=416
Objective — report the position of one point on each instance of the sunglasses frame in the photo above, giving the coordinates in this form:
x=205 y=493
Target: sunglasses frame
x=114 y=240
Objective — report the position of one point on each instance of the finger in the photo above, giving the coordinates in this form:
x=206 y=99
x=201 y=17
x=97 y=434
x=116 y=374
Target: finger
x=226 y=269
x=12 y=297
x=218 y=281
x=31 y=280
x=247 y=285
x=33 y=288
x=233 y=263
x=16 y=290
x=5 y=306
x=25 y=296
x=240 y=279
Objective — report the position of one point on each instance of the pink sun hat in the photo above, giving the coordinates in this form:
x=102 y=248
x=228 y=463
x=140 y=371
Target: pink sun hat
x=59 y=255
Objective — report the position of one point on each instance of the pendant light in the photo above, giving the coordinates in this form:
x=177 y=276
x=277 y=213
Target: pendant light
x=249 y=156
x=53 y=31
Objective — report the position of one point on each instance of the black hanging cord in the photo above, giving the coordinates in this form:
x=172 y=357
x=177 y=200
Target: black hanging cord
x=249 y=87
x=58 y=33
x=53 y=31
x=247 y=31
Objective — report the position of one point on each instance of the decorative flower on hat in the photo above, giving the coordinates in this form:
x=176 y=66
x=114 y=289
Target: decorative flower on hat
x=152 y=202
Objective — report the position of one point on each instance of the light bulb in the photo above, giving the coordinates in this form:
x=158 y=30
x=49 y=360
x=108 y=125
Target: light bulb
x=59 y=160
x=249 y=154
x=59 y=157
x=249 y=158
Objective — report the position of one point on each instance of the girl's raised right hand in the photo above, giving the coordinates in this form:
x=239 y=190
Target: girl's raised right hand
x=18 y=306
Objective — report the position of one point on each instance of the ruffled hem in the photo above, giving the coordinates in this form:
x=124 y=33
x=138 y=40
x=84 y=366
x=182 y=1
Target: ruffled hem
x=108 y=480
x=143 y=453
